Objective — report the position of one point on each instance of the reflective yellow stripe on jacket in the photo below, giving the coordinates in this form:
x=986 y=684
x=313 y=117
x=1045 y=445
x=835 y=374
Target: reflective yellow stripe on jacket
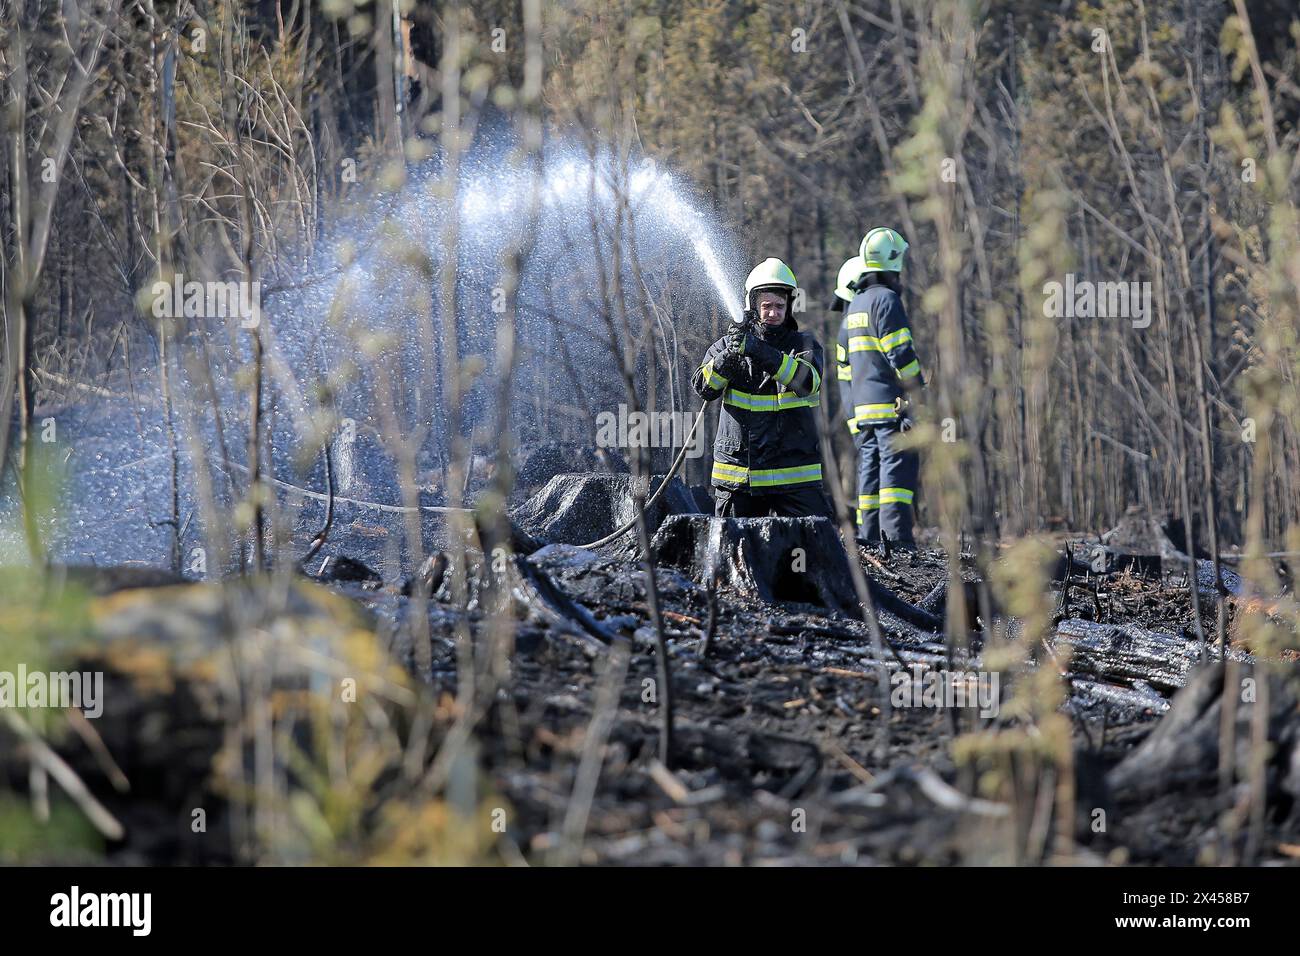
x=843 y=371
x=878 y=412
x=768 y=403
x=869 y=343
x=766 y=477
x=712 y=378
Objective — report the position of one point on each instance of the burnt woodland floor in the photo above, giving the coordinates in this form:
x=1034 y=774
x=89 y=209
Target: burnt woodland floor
x=784 y=749
x=782 y=754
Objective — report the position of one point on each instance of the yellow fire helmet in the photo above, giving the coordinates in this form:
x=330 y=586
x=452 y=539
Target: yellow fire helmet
x=882 y=250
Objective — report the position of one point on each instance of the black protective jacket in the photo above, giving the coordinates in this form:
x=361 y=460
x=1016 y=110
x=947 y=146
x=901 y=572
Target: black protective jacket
x=767 y=426
x=875 y=343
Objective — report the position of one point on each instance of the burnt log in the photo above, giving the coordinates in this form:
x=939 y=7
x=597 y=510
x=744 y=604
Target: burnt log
x=579 y=509
x=112 y=578
x=532 y=592
x=537 y=594
x=1182 y=753
x=1128 y=652
x=1121 y=704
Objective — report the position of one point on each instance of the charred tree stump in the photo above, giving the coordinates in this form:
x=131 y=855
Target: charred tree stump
x=578 y=509
x=773 y=559
x=535 y=593
x=780 y=560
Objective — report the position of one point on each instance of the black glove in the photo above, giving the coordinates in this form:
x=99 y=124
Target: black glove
x=736 y=341
x=744 y=342
x=729 y=364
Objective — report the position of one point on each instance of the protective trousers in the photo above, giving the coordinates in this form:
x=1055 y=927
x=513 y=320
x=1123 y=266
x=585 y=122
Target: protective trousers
x=887 y=480
x=868 y=501
x=799 y=502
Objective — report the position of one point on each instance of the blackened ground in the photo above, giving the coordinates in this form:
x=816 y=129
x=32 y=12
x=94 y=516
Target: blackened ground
x=782 y=753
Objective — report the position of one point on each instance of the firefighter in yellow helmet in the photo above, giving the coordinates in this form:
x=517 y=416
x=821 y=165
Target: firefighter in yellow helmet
x=878 y=372
x=766 y=456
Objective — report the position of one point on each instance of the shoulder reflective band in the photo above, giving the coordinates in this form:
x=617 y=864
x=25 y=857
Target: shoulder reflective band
x=864 y=343
x=896 y=496
x=858 y=320
x=910 y=370
x=868 y=502
x=769 y=403
x=766 y=477
x=894 y=339
x=712 y=378
x=882 y=412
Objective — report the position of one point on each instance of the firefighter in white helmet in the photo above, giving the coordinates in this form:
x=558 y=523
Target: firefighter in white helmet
x=851 y=273
x=766 y=456
x=877 y=360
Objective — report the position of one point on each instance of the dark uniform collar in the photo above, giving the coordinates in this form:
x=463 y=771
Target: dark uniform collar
x=778 y=334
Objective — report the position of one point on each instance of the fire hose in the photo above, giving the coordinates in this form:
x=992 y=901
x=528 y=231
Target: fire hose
x=672 y=473
x=750 y=321
x=398 y=509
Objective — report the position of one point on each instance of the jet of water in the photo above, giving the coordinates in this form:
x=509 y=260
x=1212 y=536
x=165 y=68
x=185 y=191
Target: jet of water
x=684 y=256
x=369 y=297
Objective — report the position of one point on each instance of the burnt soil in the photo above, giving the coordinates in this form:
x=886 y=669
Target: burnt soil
x=781 y=753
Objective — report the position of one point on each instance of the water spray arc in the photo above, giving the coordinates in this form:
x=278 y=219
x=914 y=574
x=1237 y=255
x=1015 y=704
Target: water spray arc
x=342 y=347
x=686 y=262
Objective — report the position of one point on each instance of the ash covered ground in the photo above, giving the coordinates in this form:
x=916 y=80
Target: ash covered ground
x=782 y=752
